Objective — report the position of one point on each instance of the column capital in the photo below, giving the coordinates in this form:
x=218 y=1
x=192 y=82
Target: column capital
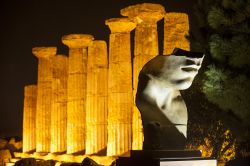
x=77 y=40
x=44 y=52
x=30 y=90
x=145 y=12
x=122 y=25
x=182 y=17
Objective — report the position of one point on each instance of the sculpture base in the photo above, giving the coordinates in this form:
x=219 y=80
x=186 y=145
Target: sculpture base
x=166 y=158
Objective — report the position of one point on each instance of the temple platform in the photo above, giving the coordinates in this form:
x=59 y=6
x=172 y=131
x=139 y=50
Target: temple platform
x=166 y=158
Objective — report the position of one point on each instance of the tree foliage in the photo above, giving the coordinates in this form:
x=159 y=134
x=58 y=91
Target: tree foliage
x=225 y=38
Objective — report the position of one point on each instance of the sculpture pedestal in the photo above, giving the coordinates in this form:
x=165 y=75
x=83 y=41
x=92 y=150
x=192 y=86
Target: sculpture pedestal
x=166 y=158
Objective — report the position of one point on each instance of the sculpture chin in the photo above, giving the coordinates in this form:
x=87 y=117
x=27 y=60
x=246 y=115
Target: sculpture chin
x=185 y=85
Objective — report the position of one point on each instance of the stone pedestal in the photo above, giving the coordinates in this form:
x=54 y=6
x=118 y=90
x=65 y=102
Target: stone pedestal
x=176 y=27
x=120 y=97
x=97 y=98
x=43 y=111
x=29 y=118
x=77 y=83
x=166 y=158
x=146 y=16
x=59 y=104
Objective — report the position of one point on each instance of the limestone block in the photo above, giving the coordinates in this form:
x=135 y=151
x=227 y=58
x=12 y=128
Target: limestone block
x=97 y=98
x=120 y=98
x=120 y=25
x=120 y=79
x=176 y=27
x=94 y=80
x=29 y=118
x=98 y=48
x=77 y=89
x=59 y=104
x=77 y=61
x=77 y=40
x=75 y=126
x=146 y=41
x=120 y=107
x=145 y=12
x=44 y=52
x=44 y=91
x=146 y=15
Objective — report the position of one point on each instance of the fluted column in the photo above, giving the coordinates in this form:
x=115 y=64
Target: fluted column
x=59 y=104
x=29 y=118
x=77 y=82
x=176 y=28
x=120 y=97
x=44 y=89
x=146 y=16
x=97 y=98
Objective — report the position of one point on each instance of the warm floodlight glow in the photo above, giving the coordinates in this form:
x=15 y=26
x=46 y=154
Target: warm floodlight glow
x=86 y=102
x=146 y=16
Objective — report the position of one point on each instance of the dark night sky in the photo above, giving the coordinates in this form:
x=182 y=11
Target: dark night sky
x=29 y=23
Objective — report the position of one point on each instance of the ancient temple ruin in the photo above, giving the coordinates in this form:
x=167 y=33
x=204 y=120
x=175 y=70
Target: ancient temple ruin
x=83 y=103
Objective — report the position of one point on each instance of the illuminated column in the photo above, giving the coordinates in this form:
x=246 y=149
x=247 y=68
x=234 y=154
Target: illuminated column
x=44 y=90
x=59 y=104
x=29 y=118
x=176 y=27
x=97 y=97
x=77 y=82
x=120 y=97
x=146 y=16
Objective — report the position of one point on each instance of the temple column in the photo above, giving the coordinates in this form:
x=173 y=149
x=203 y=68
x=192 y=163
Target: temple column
x=97 y=98
x=44 y=90
x=176 y=28
x=77 y=83
x=146 y=16
x=29 y=118
x=120 y=97
x=59 y=104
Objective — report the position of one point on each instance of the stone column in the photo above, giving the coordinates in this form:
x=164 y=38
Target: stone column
x=146 y=16
x=77 y=82
x=97 y=98
x=120 y=97
x=29 y=118
x=44 y=89
x=176 y=27
x=59 y=104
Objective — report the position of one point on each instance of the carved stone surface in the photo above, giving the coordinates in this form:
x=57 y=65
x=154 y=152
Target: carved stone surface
x=176 y=27
x=44 y=89
x=146 y=16
x=120 y=97
x=145 y=12
x=97 y=98
x=164 y=113
x=77 y=83
x=59 y=104
x=29 y=118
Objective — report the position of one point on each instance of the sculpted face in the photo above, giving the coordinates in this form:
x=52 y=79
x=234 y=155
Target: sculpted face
x=173 y=71
x=163 y=110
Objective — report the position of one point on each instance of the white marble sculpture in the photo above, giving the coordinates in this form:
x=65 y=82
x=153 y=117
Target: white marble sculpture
x=164 y=112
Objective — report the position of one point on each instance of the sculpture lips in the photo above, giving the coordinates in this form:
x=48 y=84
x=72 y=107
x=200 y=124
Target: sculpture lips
x=189 y=69
x=180 y=81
